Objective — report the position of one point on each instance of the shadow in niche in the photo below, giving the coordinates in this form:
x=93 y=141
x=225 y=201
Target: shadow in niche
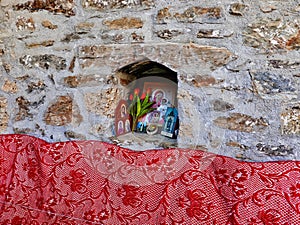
x=157 y=128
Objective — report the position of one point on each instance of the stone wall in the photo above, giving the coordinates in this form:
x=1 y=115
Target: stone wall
x=238 y=67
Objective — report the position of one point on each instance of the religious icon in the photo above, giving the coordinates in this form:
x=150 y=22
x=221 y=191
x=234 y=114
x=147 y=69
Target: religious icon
x=122 y=123
x=154 y=117
x=120 y=128
x=163 y=109
x=127 y=126
x=123 y=110
x=162 y=92
x=171 y=123
x=157 y=97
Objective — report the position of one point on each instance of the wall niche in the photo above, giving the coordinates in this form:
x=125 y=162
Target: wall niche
x=147 y=115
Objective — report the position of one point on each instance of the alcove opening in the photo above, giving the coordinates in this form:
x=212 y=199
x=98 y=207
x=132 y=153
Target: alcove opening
x=147 y=114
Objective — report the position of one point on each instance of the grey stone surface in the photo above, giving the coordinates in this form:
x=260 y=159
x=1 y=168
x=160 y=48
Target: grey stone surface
x=237 y=65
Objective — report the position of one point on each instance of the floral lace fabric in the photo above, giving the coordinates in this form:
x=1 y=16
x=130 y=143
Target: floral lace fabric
x=91 y=182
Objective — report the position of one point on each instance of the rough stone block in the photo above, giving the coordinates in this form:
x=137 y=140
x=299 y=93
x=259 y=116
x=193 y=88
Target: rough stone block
x=200 y=81
x=66 y=7
x=294 y=42
x=4 y=117
x=36 y=87
x=195 y=14
x=84 y=27
x=272 y=150
x=44 y=61
x=237 y=9
x=235 y=144
x=213 y=33
x=103 y=103
x=46 y=43
x=25 y=24
x=49 y=25
x=290 y=120
x=71 y=37
x=95 y=51
x=88 y=80
x=72 y=81
x=241 y=122
x=273 y=34
x=124 y=23
x=174 y=54
x=221 y=106
x=137 y=38
x=74 y=135
x=266 y=8
x=7 y=67
x=284 y=64
x=27 y=130
x=164 y=15
x=113 y=38
x=10 y=87
x=271 y=83
x=63 y=112
x=24 y=109
x=117 y=4
x=217 y=57
x=167 y=33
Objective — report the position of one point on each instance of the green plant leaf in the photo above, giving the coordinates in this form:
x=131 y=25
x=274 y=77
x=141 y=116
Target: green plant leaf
x=148 y=105
x=138 y=105
x=133 y=106
x=139 y=108
x=145 y=100
x=131 y=109
x=145 y=111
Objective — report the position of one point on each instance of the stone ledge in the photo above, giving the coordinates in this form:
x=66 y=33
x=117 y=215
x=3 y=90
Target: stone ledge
x=174 y=54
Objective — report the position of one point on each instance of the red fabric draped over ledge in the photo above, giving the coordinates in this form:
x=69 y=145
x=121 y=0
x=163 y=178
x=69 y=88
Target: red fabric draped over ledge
x=91 y=182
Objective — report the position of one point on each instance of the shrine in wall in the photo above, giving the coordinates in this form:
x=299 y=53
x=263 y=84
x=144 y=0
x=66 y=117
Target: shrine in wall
x=149 y=108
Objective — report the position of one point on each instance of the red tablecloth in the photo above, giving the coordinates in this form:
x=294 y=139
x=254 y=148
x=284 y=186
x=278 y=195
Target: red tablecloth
x=91 y=182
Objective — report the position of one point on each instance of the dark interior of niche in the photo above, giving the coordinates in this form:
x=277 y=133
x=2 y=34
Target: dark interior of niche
x=160 y=126
x=146 y=68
